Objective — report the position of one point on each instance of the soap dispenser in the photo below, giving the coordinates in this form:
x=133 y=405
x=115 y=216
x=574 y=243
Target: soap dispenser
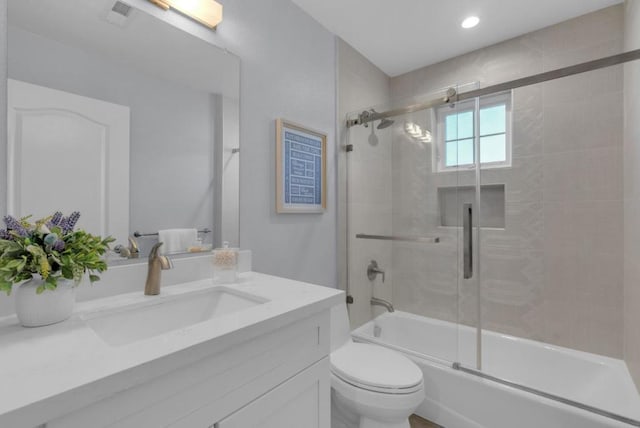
x=225 y=264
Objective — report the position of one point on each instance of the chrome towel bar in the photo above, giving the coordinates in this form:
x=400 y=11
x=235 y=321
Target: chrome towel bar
x=139 y=235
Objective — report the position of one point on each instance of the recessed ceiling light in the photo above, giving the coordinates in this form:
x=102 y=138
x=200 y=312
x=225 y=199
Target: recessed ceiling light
x=470 y=22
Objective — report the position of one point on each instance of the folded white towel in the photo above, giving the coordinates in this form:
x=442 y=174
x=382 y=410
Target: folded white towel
x=176 y=240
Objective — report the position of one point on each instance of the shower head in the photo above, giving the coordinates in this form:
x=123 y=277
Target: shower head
x=385 y=123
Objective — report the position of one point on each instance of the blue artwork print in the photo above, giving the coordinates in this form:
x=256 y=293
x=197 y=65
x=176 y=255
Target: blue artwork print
x=302 y=169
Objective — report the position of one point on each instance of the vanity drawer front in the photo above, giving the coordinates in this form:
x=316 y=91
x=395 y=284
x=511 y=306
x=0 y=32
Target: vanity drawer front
x=302 y=401
x=217 y=385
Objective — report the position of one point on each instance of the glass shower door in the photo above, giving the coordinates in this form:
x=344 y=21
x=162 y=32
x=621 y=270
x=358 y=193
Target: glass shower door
x=456 y=145
x=551 y=262
x=408 y=187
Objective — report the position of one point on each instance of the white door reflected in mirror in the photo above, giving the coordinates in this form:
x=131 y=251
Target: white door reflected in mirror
x=68 y=153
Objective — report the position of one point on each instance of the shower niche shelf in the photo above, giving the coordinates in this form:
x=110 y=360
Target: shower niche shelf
x=492 y=205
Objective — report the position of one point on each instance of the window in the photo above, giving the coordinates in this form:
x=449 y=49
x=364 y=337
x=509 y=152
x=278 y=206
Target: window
x=455 y=133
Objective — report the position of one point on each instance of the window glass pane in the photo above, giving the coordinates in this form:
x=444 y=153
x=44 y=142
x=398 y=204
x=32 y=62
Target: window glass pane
x=451 y=127
x=465 y=152
x=492 y=119
x=451 y=155
x=465 y=125
x=493 y=149
x=459 y=126
x=459 y=152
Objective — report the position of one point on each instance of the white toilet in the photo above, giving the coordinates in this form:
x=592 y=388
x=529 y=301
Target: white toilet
x=371 y=386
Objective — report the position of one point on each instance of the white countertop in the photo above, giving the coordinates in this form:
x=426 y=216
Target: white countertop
x=44 y=368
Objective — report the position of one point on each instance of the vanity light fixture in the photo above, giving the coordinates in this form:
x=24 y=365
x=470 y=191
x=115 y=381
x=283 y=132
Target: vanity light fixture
x=206 y=12
x=470 y=22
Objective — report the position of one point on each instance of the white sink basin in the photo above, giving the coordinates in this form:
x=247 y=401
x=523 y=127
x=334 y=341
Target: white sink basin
x=158 y=315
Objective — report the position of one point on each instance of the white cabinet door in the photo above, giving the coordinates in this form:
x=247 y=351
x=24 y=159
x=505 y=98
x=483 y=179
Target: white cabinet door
x=68 y=153
x=302 y=401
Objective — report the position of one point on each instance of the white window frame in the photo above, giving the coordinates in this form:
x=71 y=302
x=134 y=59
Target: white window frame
x=469 y=105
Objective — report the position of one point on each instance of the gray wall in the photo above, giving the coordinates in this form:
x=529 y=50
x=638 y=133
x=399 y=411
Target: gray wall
x=631 y=152
x=288 y=71
x=172 y=127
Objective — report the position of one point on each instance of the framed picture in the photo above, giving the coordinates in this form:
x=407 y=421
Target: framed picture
x=301 y=169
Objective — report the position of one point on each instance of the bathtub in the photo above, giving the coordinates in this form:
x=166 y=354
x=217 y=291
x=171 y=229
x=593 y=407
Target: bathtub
x=456 y=399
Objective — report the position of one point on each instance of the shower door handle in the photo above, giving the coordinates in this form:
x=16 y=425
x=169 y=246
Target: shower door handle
x=467 y=240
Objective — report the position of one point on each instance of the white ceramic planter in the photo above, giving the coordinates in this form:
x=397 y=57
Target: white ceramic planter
x=49 y=307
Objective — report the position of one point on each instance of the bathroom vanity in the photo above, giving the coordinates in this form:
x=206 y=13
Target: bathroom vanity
x=199 y=355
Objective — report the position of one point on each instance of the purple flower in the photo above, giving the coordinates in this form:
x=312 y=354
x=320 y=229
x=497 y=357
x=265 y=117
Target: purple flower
x=5 y=235
x=14 y=225
x=55 y=220
x=58 y=245
x=68 y=223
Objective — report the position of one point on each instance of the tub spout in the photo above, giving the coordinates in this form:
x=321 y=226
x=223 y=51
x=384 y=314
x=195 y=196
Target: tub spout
x=381 y=302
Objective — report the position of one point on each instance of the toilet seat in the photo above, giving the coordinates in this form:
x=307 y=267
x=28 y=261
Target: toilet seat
x=375 y=368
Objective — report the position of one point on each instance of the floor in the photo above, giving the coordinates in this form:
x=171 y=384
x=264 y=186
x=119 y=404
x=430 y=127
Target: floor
x=417 y=422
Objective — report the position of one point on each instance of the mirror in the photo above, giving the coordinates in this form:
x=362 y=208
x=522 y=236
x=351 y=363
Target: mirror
x=124 y=117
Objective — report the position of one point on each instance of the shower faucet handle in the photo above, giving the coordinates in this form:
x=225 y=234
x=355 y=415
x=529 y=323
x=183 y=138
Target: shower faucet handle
x=373 y=270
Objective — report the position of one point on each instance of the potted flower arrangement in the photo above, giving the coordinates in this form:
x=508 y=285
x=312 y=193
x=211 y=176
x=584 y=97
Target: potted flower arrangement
x=47 y=259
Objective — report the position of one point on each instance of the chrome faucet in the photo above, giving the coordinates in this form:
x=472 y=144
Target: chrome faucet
x=381 y=302
x=157 y=263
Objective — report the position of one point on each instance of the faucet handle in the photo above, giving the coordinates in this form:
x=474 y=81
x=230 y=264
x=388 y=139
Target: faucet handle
x=165 y=263
x=133 y=247
x=373 y=270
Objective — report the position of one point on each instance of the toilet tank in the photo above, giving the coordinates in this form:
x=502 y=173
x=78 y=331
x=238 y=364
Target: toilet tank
x=340 y=330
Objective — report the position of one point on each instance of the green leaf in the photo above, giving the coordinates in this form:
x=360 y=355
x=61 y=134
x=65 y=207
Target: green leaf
x=40 y=289
x=5 y=286
x=67 y=272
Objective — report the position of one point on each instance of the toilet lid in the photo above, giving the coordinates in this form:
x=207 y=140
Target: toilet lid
x=376 y=368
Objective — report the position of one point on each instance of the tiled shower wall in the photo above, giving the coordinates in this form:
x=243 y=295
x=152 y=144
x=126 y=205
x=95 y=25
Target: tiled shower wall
x=632 y=194
x=361 y=84
x=554 y=273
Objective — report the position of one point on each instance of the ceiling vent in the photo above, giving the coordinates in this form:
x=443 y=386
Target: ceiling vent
x=119 y=14
x=121 y=8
